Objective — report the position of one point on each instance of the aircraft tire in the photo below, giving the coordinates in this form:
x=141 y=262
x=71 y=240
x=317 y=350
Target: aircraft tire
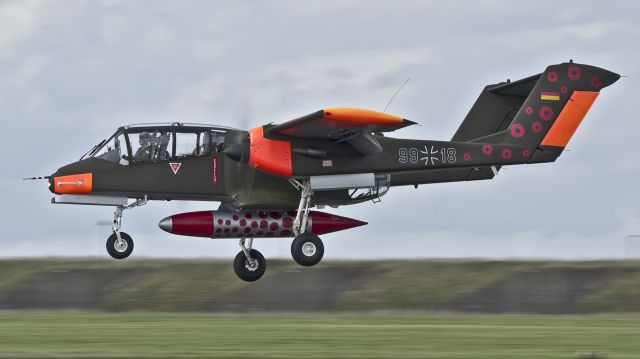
x=119 y=251
x=244 y=271
x=307 y=249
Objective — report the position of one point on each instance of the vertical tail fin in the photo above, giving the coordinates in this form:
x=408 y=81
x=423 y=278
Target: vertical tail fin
x=554 y=109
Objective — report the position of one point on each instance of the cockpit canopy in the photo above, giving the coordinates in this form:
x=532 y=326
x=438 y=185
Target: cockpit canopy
x=146 y=143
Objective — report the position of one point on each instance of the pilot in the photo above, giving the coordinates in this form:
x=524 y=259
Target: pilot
x=144 y=152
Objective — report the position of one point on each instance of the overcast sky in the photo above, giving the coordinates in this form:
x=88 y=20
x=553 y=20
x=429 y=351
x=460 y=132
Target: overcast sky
x=71 y=72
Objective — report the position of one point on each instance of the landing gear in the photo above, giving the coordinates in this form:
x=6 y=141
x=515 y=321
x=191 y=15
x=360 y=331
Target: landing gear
x=249 y=264
x=120 y=244
x=119 y=248
x=307 y=249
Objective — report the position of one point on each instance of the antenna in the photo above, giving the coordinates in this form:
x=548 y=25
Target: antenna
x=395 y=94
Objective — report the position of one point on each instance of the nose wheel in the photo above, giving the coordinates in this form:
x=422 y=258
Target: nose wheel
x=249 y=264
x=120 y=244
x=119 y=248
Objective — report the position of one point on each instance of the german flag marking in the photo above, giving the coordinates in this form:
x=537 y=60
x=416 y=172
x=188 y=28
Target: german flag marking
x=549 y=96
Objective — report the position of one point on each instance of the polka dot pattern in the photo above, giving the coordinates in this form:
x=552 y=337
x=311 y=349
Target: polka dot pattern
x=538 y=112
x=254 y=224
x=517 y=130
x=487 y=149
x=574 y=73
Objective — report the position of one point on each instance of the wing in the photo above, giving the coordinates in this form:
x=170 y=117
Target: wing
x=352 y=125
x=336 y=123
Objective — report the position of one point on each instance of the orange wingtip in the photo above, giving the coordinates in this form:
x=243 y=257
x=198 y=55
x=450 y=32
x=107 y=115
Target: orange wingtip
x=73 y=184
x=569 y=118
x=356 y=116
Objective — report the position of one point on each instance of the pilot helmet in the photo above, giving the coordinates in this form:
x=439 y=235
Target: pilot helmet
x=144 y=136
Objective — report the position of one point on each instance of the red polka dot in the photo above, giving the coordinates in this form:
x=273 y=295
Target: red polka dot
x=506 y=153
x=517 y=130
x=546 y=113
x=243 y=222
x=264 y=224
x=487 y=149
x=247 y=230
x=274 y=226
x=536 y=126
x=552 y=76
x=564 y=89
x=526 y=153
x=528 y=110
x=596 y=82
x=254 y=224
x=220 y=221
x=276 y=215
x=466 y=156
x=574 y=73
x=248 y=216
x=235 y=217
x=287 y=222
x=218 y=230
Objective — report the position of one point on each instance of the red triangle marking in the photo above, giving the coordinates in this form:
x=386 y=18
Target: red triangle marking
x=175 y=167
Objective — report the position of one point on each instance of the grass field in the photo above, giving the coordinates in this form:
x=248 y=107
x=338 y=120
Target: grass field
x=413 y=335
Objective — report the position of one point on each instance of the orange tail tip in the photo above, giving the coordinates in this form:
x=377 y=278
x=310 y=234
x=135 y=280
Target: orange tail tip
x=569 y=118
x=73 y=184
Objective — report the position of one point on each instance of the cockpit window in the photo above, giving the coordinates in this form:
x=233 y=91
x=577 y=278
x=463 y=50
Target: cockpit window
x=150 y=146
x=186 y=144
x=199 y=143
x=113 y=150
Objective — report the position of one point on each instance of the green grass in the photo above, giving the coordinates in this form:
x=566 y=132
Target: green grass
x=162 y=335
x=622 y=294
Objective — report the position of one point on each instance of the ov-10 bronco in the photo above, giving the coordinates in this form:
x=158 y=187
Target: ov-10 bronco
x=269 y=177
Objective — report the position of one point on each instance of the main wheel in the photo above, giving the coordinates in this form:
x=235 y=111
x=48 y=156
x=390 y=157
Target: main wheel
x=119 y=249
x=307 y=249
x=250 y=272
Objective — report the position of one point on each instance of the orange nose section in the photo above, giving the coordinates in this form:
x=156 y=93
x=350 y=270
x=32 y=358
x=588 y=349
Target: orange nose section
x=76 y=184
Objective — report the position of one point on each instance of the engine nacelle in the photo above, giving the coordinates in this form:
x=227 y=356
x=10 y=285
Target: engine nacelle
x=252 y=224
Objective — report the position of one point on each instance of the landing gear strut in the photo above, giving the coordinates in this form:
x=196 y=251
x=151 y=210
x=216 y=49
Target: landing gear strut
x=249 y=264
x=120 y=244
x=307 y=248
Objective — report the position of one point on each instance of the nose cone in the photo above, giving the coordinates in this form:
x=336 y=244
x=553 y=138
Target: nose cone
x=322 y=223
x=81 y=183
x=166 y=225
